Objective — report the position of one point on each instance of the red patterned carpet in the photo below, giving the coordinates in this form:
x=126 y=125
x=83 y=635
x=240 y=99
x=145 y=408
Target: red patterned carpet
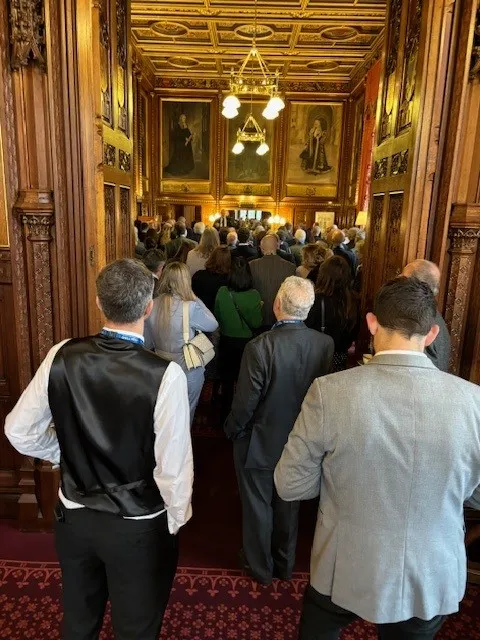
x=211 y=598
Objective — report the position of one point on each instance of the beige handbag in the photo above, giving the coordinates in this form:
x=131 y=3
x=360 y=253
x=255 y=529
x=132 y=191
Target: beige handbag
x=198 y=351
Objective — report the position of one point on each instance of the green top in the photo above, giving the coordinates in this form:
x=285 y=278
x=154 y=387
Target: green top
x=231 y=324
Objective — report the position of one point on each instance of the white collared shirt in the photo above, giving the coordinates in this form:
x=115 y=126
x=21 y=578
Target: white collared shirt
x=30 y=429
x=401 y=352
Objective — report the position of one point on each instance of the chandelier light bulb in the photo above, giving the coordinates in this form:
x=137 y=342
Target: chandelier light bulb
x=262 y=149
x=268 y=113
x=276 y=103
x=238 y=147
x=229 y=113
x=231 y=103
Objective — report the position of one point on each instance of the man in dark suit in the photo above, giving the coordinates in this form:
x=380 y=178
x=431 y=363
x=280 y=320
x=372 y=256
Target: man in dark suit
x=268 y=274
x=270 y=390
x=439 y=350
x=341 y=249
x=180 y=237
x=225 y=220
x=244 y=248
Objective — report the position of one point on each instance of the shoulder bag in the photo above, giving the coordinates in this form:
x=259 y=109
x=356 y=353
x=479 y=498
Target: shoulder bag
x=240 y=314
x=198 y=351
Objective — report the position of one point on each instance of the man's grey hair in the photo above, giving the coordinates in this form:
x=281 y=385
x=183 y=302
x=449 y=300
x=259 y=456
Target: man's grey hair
x=425 y=271
x=296 y=296
x=300 y=235
x=124 y=289
x=199 y=227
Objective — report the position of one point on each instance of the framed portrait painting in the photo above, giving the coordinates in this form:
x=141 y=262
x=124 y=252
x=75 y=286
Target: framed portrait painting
x=186 y=158
x=248 y=173
x=313 y=149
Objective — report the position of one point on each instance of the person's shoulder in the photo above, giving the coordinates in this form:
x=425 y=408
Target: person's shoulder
x=317 y=337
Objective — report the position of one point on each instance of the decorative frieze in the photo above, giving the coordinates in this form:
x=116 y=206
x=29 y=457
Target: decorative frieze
x=27 y=33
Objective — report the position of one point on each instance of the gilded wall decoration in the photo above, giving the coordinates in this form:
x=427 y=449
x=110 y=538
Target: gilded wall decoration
x=124 y=160
x=388 y=99
x=399 y=164
x=375 y=237
x=380 y=169
x=110 y=222
x=109 y=154
x=356 y=148
x=393 y=258
x=313 y=148
x=410 y=65
x=27 y=33
x=106 y=61
x=248 y=167
x=122 y=65
x=186 y=140
x=475 y=65
x=126 y=222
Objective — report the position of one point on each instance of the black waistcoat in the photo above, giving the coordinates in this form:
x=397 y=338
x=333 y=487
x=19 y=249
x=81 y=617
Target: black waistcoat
x=102 y=393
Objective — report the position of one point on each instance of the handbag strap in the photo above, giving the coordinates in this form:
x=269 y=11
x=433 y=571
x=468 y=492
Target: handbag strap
x=322 y=304
x=186 y=323
x=242 y=317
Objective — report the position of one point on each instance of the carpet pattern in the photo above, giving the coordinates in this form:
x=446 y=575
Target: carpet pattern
x=211 y=604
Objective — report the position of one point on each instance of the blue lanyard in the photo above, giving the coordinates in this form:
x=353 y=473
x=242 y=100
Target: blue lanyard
x=121 y=336
x=282 y=322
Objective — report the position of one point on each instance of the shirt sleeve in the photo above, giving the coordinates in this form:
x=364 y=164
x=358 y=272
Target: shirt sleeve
x=173 y=472
x=298 y=472
x=201 y=319
x=29 y=426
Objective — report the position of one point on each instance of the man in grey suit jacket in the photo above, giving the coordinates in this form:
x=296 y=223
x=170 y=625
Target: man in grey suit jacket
x=439 y=350
x=270 y=390
x=393 y=447
x=268 y=273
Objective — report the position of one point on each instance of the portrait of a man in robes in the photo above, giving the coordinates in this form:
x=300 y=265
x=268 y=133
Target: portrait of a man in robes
x=185 y=140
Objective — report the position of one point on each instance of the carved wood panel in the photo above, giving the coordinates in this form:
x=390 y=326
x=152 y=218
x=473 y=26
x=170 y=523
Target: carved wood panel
x=393 y=254
x=126 y=223
x=106 y=61
x=110 y=223
x=409 y=75
x=388 y=97
x=122 y=66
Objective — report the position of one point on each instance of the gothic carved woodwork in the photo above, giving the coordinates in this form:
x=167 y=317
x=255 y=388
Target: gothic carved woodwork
x=475 y=65
x=122 y=65
x=380 y=169
x=399 y=163
x=124 y=160
x=109 y=154
x=463 y=249
x=392 y=255
x=374 y=234
x=388 y=98
x=106 y=61
x=126 y=223
x=110 y=223
x=27 y=33
x=410 y=65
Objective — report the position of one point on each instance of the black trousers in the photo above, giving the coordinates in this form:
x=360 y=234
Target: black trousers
x=323 y=620
x=130 y=562
x=269 y=524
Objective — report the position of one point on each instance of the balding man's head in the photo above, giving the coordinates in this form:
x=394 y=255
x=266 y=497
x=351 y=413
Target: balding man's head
x=270 y=244
x=425 y=271
x=338 y=238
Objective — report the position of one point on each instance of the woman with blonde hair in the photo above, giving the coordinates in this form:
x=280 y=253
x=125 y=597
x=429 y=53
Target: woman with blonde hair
x=164 y=327
x=197 y=258
x=165 y=236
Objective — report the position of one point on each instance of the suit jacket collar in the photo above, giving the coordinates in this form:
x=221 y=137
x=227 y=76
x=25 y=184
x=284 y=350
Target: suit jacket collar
x=290 y=327
x=402 y=360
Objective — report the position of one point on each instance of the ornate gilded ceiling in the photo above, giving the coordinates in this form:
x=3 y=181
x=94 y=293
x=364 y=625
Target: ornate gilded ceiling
x=306 y=40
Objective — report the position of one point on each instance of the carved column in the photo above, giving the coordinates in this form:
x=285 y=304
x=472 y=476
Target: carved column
x=464 y=235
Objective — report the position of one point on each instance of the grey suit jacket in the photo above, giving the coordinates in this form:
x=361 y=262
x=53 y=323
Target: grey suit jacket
x=439 y=350
x=393 y=447
x=268 y=274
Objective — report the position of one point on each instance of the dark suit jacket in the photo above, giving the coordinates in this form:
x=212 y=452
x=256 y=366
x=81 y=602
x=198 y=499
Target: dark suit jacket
x=439 y=350
x=349 y=256
x=245 y=251
x=173 y=246
x=268 y=274
x=276 y=372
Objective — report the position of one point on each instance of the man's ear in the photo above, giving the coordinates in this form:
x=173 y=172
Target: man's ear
x=97 y=302
x=432 y=334
x=372 y=323
x=277 y=307
x=148 y=309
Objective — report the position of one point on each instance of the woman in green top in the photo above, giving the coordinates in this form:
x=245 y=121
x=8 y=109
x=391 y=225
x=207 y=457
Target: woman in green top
x=238 y=310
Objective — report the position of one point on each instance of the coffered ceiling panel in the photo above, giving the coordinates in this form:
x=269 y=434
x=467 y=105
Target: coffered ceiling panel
x=309 y=40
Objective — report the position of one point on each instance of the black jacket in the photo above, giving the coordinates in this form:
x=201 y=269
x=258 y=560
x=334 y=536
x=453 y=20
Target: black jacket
x=205 y=285
x=246 y=251
x=276 y=372
x=335 y=325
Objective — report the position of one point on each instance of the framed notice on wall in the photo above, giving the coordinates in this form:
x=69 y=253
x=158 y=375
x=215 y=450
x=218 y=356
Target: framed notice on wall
x=325 y=219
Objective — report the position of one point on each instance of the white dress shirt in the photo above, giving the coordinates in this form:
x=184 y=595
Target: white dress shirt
x=30 y=429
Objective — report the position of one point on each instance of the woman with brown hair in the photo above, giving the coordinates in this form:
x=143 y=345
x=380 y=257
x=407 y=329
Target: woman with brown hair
x=164 y=327
x=165 y=236
x=311 y=258
x=335 y=310
x=207 y=282
x=198 y=257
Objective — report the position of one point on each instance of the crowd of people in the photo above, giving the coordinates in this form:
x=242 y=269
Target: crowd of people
x=392 y=448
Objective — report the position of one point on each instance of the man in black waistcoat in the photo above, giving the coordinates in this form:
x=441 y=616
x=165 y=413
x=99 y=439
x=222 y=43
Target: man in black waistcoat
x=116 y=418
x=276 y=372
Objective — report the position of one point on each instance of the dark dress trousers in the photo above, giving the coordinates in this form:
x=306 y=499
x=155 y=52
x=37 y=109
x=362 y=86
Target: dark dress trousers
x=268 y=274
x=439 y=350
x=277 y=369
